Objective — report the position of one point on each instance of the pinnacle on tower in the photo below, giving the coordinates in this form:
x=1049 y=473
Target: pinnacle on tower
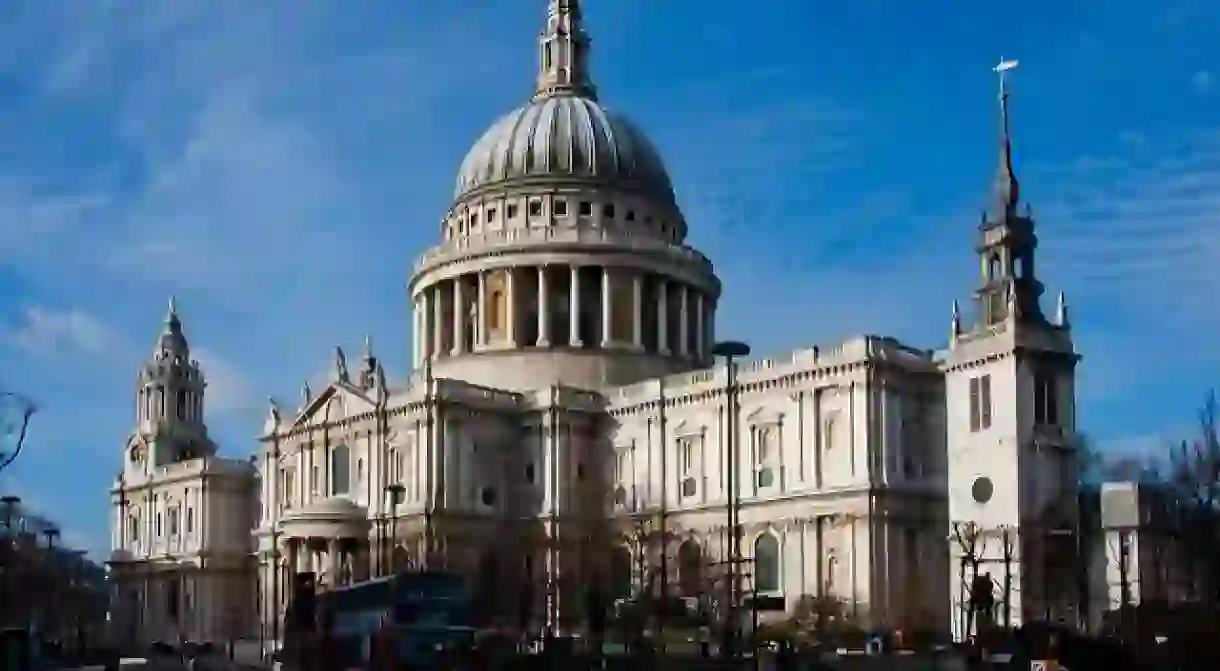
x=563 y=61
x=1061 y=313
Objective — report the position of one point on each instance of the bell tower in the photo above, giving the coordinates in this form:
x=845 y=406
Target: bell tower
x=169 y=399
x=1010 y=422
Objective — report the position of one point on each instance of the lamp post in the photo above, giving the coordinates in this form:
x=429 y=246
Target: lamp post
x=730 y=350
x=395 y=491
x=10 y=504
x=275 y=589
x=51 y=534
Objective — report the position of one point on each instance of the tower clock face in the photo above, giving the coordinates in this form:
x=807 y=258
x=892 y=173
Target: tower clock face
x=982 y=489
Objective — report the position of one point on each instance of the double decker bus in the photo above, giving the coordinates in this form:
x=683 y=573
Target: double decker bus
x=410 y=617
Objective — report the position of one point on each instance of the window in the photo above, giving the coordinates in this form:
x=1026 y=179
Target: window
x=686 y=455
x=621 y=465
x=491 y=214
x=980 y=403
x=493 y=309
x=511 y=211
x=586 y=208
x=289 y=486
x=133 y=524
x=158 y=525
x=608 y=210
x=340 y=476
x=765 y=453
x=474 y=219
x=190 y=520
x=1046 y=399
x=766 y=563
x=313 y=480
x=359 y=470
x=993 y=267
x=529 y=473
x=630 y=215
x=488 y=496
x=561 y=207
x=686 y=465
x=173 y=521
x=535 y=208
x=828 y=433
x=180 y=402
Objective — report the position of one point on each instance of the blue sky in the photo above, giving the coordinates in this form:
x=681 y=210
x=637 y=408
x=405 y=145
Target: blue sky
x=277 y=166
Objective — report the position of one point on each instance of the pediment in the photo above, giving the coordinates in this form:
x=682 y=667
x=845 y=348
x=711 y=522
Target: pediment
x=686 y=427
x=764 y=415
x=337 y=401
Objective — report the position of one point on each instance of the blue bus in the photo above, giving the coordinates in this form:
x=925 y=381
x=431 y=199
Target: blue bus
x=421 y=613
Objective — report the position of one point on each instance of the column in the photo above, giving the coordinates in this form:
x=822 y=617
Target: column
x=662 y=316
x=700 y=328
x=332 y=563
x=415 y=333
x=544 y=309
x=683 y=321
x=637 y=311
x=607 y=312
x=459 y=316
x=481 y=335
x=424 y=335
x=510 y=307
x=574 y=308
x=438 y=323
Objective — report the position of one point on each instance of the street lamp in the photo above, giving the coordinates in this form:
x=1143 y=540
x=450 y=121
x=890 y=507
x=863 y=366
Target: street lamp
x=730 y=350
x=395 y=491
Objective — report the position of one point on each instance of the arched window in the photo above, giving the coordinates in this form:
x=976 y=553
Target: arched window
x=766 y=563
x=620 y=573
x=340 y=477
x=690 y=568
x=994 y=271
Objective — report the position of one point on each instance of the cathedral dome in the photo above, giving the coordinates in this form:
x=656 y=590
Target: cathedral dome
x=560 y=136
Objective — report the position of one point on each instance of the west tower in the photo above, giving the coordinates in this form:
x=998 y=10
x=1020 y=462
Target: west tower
x=1010 y=421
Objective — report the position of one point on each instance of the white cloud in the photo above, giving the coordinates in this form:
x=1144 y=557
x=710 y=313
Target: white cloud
x=46 y=330
x=1201 y=81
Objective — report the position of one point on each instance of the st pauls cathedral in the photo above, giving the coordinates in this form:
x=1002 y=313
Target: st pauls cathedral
x=568 y=420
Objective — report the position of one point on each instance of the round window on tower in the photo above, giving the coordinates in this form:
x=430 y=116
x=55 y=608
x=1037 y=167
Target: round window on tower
x=982 y=489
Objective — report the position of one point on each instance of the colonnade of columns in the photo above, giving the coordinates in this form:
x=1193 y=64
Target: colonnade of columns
x=562 y=306
x=336 y=561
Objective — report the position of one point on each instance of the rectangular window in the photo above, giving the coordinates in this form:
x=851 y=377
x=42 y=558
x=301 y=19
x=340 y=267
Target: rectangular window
x=586 y=208
x=1046 y=399
x=561 y=207
x=980 y=403
x=828 y=434
x=985 y=389
x=686 y=456
x=621 y=465
x=535 y=208
x=190 y=520
x=173 y=522
x=510 y=211
x=158 y=525
x=765 y=444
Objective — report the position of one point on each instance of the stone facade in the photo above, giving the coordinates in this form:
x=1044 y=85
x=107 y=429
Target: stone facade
x=565 y=423
x=180 y=564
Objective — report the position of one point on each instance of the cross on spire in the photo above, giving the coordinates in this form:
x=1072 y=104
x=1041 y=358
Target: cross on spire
x=1007 y=191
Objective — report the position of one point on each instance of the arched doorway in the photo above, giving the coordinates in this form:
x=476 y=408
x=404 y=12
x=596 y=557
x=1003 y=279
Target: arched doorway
x=690 y=568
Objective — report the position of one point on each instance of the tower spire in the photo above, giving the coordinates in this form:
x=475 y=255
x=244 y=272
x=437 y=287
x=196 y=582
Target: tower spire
x=1007 y=192
x=563 y=59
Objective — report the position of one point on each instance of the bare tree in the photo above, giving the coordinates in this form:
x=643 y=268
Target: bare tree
x=15 y=413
